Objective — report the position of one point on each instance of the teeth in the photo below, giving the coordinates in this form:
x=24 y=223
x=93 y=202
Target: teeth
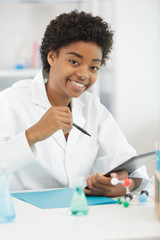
x=78 y=84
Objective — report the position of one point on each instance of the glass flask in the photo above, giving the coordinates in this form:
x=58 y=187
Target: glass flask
x=79 y=204
x=157 y=145
x=7 y=212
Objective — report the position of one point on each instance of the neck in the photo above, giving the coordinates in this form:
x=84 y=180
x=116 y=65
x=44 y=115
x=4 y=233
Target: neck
x=55 y=98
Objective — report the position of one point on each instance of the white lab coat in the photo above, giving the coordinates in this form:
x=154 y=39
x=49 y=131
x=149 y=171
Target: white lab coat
x=55 y=162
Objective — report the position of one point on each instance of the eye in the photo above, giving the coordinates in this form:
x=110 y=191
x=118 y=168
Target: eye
x=94 y=68
x=74 y=62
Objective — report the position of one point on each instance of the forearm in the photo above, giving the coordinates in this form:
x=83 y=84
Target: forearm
x=32 y=135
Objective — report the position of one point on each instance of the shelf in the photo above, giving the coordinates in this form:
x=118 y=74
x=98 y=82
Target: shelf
x=20 y=73
x=41 y=1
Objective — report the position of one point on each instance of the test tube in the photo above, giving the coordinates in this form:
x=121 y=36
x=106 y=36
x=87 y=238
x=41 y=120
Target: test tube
x=157 y=146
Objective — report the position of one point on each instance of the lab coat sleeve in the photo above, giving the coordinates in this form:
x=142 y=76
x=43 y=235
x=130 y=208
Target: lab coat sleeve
x=16 y=153
x=14 y=147
x=114 y=148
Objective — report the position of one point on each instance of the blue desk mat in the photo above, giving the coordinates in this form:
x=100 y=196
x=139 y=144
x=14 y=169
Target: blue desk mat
x=59 y=198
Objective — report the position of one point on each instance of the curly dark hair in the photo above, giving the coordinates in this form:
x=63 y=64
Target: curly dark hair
x=72 y=27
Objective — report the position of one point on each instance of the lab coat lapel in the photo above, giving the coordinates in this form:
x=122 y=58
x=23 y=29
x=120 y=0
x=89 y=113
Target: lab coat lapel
x=40 y=99
x=78 y=119
x=59 y=138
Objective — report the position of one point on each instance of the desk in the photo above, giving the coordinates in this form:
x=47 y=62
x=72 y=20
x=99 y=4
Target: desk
x=138 y=221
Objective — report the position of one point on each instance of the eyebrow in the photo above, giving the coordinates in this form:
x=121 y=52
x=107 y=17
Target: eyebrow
x=80 y=56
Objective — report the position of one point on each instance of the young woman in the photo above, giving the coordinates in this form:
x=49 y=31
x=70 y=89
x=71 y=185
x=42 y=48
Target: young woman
x=38 y=141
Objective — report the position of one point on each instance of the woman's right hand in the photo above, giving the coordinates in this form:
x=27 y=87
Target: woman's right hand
x=54 y=119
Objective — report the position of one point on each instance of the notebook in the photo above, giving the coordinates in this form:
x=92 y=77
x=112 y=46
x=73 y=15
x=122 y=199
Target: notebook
x=59 y=198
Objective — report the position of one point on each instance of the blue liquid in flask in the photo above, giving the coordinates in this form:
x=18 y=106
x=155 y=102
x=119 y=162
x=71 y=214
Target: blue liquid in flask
x=7 y=213
x=79 y=205
x=158 y=159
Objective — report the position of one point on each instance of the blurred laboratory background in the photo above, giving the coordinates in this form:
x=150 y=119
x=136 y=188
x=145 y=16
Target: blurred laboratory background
x=129 y=84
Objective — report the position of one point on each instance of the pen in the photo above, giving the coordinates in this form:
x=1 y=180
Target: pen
x=81 y=129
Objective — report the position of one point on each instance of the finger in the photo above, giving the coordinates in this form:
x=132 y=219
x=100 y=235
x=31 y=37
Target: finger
x=89 y=183
x=106 y=191
x=95 y=192
x=62 y=109
x=121 y=174
x=95 y=187
x=66 y=128
x=63 y=114
x=93 y=184
x=101 y=179
x=102 y=187
x=89 y=192
x=65 y=120
x=113 y=175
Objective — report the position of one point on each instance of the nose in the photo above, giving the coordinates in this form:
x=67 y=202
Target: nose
x=82 y=74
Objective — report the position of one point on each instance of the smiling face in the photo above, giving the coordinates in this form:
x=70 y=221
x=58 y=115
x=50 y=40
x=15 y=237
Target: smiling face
x=72 y=71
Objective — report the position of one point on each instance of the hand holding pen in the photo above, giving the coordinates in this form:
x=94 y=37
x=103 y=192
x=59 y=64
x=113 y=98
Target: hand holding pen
x=54 y=119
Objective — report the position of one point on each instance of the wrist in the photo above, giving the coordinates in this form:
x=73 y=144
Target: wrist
x=31 y=137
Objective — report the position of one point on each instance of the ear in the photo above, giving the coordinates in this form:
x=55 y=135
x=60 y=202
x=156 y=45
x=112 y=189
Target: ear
x=50 y=58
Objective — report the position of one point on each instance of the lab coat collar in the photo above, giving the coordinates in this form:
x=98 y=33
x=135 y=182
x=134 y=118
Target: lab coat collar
x=39 y=98
x=39 y=95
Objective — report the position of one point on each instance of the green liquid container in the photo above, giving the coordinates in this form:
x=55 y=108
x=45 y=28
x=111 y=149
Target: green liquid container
x=79 y=204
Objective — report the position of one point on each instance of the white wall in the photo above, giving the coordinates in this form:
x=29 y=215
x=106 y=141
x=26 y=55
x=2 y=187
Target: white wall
x=137 y=71
x=21 y=25
x=130 y=84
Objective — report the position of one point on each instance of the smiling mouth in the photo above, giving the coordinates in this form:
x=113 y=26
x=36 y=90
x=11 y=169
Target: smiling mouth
x=79 y=85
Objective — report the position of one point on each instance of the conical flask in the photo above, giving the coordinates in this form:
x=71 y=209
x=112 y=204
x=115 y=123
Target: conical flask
x=79 y=205
x=7 y=212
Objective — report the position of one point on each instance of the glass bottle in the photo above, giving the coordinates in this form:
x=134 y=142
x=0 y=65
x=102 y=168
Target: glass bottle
x=157 y=146
x=79 y=204
x=7 y=213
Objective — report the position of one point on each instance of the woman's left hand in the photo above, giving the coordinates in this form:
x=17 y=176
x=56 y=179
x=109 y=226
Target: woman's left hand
x=100 y=185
